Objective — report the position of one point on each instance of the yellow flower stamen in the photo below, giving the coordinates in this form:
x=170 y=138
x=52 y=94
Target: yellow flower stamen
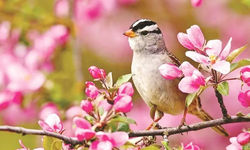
x=212 y=59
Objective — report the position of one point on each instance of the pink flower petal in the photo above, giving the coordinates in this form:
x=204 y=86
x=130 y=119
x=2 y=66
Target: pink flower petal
x=222 y=66
x=84 y=134
x=126 y=88
x=184 y=40
x=87 y=106
x=196 y=3
x=198 y=57
x=196 y=36
x=82 y=123
x=54 y=122
x=103 y=145
x=118 y=138
x=123 y=103
x=214 y=47
x=244 y=98
x=226 y=50
x=45 y=126
x=186 y=85
x=243 y=138
x=61 y=8
x=170 y=71
x=187 y=68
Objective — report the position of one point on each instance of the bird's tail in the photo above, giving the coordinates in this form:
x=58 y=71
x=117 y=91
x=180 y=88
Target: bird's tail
x=196 y=110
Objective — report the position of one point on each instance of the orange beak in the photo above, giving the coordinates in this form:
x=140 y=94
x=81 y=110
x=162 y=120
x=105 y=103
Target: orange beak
x=130 y=33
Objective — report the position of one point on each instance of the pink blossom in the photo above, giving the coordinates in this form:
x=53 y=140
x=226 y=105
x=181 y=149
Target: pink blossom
x=245 y=75
x=47 y=109
x=123 y=103
x=126 y=88
x=32 y=79
x=87 y=106
x=234 y=144
x=87 y=10
x=75 y=111
x=97 y=73
x=61 y=8
x=109 y=140
x=196 y=3
x=59 y=33
x=52 y=124
x=170 y=71
x=83 y=130
x=193 y=78
x=244 y=98
x=91 y=90
x=190 y=146
x=193 y=40
x=215 y=56
x=243 y=138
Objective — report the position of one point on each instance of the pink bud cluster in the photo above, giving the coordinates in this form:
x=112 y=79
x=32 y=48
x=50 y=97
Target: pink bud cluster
x=101 y=106
x=244 y=97
x=238 y=142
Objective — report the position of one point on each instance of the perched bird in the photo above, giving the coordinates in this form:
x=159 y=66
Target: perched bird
x=161 y=95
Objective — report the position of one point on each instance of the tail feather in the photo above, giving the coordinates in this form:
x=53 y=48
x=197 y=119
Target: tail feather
x=196 y=110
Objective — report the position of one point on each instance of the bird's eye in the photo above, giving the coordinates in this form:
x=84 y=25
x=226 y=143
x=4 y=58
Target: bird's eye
x=144 y=32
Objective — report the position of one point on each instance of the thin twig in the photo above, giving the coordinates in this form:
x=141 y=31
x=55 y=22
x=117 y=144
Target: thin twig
x=222 y=106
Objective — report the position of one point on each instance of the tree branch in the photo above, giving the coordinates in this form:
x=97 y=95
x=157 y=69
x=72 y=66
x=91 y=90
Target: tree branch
x=167 y=131
x=192 y=127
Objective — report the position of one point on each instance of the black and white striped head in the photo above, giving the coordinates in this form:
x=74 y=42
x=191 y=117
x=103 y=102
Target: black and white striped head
x=144 y=34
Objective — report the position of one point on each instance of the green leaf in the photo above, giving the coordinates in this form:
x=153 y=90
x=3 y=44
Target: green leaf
x=123 y=119
x=109 y=80
x=223 y=88
x=122 y=79
x=189 y=99
x=152 y=147
x=51 y=143
x=246 y=147
x=123 y=127
x=56 y=145
x=235 y=53
x=165 y=144
x=241 y=63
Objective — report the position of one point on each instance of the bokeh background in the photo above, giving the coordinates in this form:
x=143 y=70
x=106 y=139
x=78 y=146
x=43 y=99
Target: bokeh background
x=46 y=48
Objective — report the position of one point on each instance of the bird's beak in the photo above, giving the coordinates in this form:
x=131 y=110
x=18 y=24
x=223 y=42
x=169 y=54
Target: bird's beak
x=130 y=33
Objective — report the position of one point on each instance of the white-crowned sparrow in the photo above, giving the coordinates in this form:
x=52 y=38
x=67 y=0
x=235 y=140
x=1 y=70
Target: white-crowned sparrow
x=161 y=95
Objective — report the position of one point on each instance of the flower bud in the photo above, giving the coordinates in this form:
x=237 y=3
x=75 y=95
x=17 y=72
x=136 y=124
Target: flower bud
x=126 y=88
x=123 y=103
x=244 y=98
x=245 y=75
x=97 y=73
x=170 y=71
x=91 y=90
x=87 y=106
x=243 y=138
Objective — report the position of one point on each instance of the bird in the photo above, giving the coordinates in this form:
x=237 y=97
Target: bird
x=162 y=96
